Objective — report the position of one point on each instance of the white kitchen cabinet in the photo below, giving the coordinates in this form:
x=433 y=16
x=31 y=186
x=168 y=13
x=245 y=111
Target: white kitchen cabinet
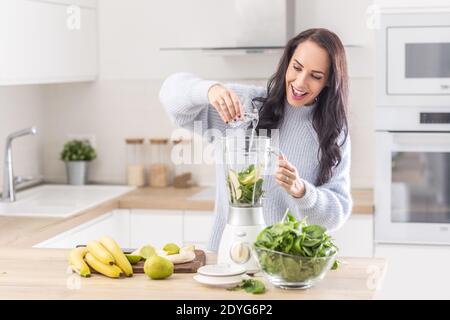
x=352 y=26
x=136 y=227
x=230 y=23
x=155 y=227
x=355 y=238
x=47 y=41
x=197 y=227
x=114 y=224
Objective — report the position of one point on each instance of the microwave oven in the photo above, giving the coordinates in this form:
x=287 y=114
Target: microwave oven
x=413 y=59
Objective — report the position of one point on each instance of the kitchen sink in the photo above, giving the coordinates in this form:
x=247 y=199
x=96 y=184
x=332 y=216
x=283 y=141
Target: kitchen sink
x=60 y=201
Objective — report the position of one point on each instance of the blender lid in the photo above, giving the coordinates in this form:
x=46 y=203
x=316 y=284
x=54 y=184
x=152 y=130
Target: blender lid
x=221 y=270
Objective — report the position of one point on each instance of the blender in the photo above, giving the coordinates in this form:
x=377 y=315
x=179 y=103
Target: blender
x=246 y=161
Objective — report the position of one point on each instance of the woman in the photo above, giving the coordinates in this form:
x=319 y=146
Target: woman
x=306 y=100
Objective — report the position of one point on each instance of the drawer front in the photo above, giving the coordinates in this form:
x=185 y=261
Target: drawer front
x=197 y=226
x=155 y=227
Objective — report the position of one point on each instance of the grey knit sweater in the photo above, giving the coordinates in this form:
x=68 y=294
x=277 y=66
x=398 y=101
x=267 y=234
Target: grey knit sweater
x=184 y=96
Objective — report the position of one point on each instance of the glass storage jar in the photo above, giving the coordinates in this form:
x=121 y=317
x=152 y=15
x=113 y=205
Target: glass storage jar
x=159 y=171
x=135 y=162
x=182 y=175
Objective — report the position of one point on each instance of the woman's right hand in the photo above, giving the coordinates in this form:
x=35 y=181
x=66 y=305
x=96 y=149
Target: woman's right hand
x=226 y=102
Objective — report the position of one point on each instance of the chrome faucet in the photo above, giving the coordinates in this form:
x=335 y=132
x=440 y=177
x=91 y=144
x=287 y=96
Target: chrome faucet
x=9 y=181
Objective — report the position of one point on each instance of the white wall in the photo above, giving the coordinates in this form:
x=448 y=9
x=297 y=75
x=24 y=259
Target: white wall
x=124 y=102
x=20 y=108
x=108 y=109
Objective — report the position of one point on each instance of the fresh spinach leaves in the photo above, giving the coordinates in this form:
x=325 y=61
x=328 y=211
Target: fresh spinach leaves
x=296 y=251
x=251 y=286
x=245 y=187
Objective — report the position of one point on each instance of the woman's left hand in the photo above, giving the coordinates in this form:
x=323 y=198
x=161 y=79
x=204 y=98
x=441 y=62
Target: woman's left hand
x=287 y=176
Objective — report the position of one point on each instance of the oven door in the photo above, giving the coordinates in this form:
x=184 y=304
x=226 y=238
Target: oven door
x=418 y=60
x=412 y=187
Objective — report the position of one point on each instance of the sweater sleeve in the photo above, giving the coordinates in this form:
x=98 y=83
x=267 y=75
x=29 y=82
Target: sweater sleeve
x=185 y=98
x=330 y=204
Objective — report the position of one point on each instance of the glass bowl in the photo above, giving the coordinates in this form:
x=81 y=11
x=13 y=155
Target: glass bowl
x=292 y=272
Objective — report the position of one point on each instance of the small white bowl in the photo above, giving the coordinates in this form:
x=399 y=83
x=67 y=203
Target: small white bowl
x=221 y=270
x=223 y=282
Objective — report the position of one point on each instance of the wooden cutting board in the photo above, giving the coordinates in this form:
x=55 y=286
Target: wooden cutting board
x=188 y=267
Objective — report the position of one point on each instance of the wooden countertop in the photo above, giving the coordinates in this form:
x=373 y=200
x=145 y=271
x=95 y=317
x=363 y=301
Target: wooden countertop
x=172 y=198
x=363 y=201
x=165 y=198
x=44 y=274
x=26 y=232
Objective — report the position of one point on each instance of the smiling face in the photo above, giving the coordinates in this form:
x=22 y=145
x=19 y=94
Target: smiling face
x=307 y=73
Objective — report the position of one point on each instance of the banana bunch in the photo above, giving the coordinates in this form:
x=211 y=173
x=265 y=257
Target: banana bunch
x=104 y=256
x=76 y=261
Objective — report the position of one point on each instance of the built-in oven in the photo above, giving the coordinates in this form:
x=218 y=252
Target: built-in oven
x=413 y=187
x=412 y=128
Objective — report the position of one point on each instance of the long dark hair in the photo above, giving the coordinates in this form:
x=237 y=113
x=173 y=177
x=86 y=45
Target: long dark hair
x=330 y=113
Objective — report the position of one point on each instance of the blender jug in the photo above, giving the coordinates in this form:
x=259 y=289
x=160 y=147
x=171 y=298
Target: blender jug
x=245 y=164
x=246 y=161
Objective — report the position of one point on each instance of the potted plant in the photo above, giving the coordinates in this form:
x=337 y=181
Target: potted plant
x=77 y=154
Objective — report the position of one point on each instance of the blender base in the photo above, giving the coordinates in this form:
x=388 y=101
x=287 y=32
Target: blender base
x=236 y=245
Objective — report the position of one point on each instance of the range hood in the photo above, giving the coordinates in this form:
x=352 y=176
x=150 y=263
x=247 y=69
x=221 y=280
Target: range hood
x=230 y=51
x=232 y=26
